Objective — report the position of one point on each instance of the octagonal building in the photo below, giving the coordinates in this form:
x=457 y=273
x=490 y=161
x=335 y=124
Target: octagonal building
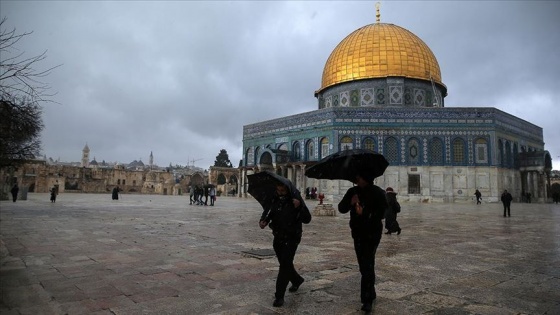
x=382 y=90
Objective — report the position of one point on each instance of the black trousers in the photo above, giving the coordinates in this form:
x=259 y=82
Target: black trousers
x=285 y=249
x=365 y=247
x=507 y=207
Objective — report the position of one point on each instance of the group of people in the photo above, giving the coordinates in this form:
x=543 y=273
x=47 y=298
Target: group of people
x=15 y=191
x=311 y=193
x=506 y=198
x=367 y=204
x=197 y=193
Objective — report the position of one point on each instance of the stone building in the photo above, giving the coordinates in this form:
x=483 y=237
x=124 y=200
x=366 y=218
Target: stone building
x=382 y=90
x=93 y=177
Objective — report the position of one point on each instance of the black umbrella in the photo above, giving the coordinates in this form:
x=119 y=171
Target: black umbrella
x=262 y=186
x=347 y=164
x=209 y=186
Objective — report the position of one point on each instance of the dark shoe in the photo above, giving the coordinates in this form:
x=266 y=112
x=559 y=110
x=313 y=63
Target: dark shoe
x=295 y=287
x=278 y=302
x=399 y=231
x=366 y=307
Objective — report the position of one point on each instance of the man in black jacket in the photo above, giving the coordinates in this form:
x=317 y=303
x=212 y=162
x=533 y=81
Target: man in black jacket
x=366 y=204
x=286 y=213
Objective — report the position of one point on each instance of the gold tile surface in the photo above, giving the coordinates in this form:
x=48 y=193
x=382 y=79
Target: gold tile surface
x=380 y=50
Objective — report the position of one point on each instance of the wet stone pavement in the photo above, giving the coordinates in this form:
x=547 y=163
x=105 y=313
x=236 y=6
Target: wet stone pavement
x=88 y=254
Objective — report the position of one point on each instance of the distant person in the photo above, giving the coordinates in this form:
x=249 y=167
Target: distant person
x=212 y=194
x=478 y=197
x=394 y=207
x=556 y=197
x=115 y=193
x=206 y=192
x=506 y=201
x=366 y=204
x=191 y=195
x=286 y=214
x=528 y=197
x=53 y=194
x=14 y=192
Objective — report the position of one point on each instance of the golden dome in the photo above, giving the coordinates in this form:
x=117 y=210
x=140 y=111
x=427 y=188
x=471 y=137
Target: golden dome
x=380 y=50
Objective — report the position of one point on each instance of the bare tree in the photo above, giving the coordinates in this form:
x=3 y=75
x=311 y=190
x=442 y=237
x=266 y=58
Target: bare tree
x=22 y=92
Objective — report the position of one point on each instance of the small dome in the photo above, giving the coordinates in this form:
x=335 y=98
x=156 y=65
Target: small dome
x=380 y=50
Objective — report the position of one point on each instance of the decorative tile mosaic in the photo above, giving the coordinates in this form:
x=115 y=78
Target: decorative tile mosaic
x=395 y=95
x=419 y=97
x=380 y=96
x=345 y=99
x=367 y=98
x=354 y=98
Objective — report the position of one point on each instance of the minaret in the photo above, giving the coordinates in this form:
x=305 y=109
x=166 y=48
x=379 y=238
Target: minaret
x=151 y=160
x=85 y=156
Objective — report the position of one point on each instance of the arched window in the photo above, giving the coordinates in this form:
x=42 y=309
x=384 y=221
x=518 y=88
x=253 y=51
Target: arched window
x=250 y=157
x=310 y=148
x=515 y=155
x=346 y=143
x=481 y=151
x=369 y=144
x=500 y=152
x=297 y=151
x=414 y=152
x=458 y=151
x=324 y=147
x=435 y=151
x=509 y=159
x=391 y=150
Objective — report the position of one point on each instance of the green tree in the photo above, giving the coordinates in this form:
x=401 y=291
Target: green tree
x=21 y=93
x=222 y=160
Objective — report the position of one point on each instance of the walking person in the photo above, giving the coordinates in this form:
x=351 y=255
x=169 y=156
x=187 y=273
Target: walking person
x=212 y=195
x=366 y=204
x=393 y=208
x=506 y=200
x=478 y=197
x=191 y=194
x=286 y=213
x=14 y=192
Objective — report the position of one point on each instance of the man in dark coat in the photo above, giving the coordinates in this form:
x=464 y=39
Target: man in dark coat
x=286 y=213
x=366 y=204
x=14 y=192
x=506 y=200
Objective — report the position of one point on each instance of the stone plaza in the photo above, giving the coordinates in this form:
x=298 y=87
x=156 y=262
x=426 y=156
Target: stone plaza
x=154 y=254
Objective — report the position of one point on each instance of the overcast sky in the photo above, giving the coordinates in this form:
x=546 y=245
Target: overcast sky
x=181 y=78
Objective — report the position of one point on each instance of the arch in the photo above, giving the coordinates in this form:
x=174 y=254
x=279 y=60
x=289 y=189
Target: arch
x=391 y=150
x=508 y=155
x=324 y=147
x=500 y=152
x=310 y=150
x=346 y=143
x=283 y=147
x=414 y=151
x=435 y=151
x=515 y=160
x=265 y=159
x=369 y=144
x=458 y=151
x=221 y=179
x=250 y=157
x=296 y=149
